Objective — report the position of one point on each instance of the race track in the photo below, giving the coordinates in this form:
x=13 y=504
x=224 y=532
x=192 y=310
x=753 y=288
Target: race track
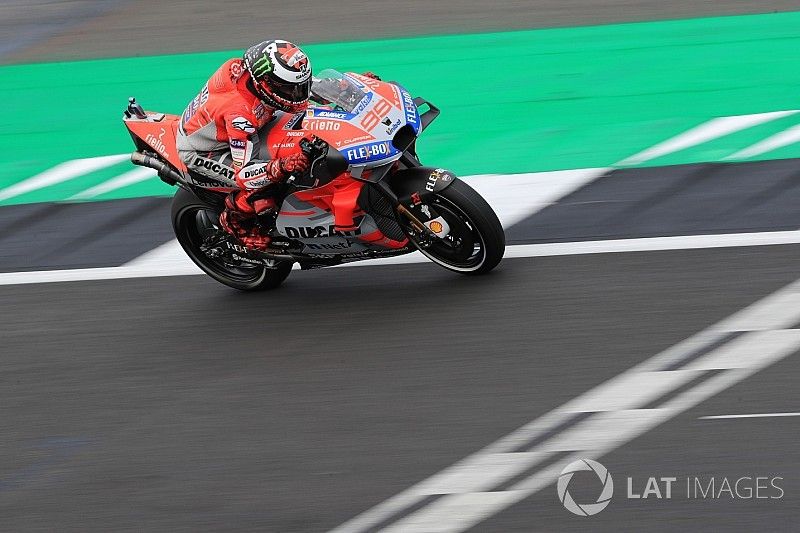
x=176 y=404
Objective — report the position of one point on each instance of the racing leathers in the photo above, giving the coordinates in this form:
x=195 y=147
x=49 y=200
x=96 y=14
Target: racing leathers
x=220 y=137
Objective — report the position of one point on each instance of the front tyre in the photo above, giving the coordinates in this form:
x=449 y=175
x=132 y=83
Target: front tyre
x=194 y=221
x=476 y=242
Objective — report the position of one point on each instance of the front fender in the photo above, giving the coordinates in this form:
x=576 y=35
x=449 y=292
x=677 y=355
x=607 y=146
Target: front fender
x=416 y=185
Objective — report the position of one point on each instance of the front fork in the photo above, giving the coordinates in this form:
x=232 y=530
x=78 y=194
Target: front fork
x=422 y=216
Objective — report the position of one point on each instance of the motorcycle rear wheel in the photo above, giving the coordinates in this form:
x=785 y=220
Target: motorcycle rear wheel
x=476 y=242
x=193 y=220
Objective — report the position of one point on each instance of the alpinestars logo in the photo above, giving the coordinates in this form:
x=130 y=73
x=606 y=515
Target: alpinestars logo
x=242 y=124
x=585 y=509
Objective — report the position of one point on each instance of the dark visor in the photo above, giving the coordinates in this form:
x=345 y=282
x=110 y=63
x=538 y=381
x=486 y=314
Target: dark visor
x=294 y=92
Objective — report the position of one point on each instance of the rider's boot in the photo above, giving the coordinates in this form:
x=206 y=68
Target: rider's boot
x=241 y=214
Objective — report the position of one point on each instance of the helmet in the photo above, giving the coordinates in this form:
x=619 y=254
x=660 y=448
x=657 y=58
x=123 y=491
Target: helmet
x=281 y=74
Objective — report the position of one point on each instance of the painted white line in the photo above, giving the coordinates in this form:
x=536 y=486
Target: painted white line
x=61 y=173
x=131 y=177
x=515 y=197
x=705 y=132
x=779 y=140
x=758 y=415
x=169 y=259
x=618 y=416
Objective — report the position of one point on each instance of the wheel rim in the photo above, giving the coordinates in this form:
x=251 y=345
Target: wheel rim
x=196 y=225
x=464 y=248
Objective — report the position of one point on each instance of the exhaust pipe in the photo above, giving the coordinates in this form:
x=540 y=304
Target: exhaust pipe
x=166 y=173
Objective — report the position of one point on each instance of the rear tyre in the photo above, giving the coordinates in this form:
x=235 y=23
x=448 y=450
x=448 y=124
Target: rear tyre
x=193 y=221
x=476 y=242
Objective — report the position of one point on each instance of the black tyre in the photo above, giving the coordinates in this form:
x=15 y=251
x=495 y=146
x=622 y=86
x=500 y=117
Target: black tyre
x=193 y=221
x=476 y=242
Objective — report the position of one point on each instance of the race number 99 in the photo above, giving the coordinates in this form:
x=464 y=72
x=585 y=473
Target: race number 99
x=375 y=115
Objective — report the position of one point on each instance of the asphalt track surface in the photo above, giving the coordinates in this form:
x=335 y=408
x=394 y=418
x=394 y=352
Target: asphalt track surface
x=177 y=404
x=42 y=30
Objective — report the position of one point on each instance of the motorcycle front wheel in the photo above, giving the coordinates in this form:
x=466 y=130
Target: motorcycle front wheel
x=194 y=221
x=476 y=242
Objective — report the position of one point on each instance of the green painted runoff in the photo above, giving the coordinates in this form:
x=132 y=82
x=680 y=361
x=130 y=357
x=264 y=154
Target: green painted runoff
x=511 y=102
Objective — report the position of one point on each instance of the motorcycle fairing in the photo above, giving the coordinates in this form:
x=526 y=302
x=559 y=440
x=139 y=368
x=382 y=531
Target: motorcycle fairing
x=328 y=220
x=364 y=134
x=157 y=133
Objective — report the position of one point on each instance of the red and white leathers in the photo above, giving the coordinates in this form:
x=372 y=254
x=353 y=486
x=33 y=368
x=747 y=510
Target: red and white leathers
x=219 y=136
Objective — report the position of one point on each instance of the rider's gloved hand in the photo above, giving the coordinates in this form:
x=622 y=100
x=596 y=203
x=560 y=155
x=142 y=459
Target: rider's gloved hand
x=372 y=75
x=294 y=164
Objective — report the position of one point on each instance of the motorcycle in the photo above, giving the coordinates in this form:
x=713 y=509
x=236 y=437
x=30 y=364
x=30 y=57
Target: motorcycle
x=366 y=194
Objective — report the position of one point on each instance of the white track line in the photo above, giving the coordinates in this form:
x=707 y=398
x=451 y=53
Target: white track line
x=618 y=416
x=131 y=177
x=61 y=173
x=515 y=197
x=779 y=140
x=169 y=259
x=705 y=132
x=759 y=415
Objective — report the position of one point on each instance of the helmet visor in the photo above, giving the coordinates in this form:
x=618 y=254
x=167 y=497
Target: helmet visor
x=293 y=92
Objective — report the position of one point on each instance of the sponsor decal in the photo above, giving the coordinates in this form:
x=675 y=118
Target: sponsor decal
x=262 y=66
x=205 y=181
x=284 y=145
x=214 y=166
x=237 y=143
x=259 y=111
x=258 y=183
x=392 y=127
x=323 y=125
x=362 y=105
x=355 y=140
x=158 y=142
x=410 y=107
x=369 y=82
x=293 y=57
x=329 y=246
x=416 y=199
x=255 y=172
x=436 y=226
x=293 y=122
x=236 y=70
x=425 y=210
x=196 y=102
x=328 y=114
x=431 y=185
x=367 y=151
x=242 y=124
x=437 y=175
x=295 y=134
x=311 y=232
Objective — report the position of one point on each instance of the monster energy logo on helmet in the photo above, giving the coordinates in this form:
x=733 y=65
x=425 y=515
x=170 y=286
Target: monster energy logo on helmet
x=262 y=65
x=281 y=74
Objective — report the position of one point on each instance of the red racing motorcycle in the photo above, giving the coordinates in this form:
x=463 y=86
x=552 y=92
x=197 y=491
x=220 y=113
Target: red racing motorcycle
x=365 y=196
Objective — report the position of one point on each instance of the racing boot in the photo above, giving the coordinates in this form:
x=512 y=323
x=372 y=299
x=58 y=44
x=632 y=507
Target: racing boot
x=240 y=216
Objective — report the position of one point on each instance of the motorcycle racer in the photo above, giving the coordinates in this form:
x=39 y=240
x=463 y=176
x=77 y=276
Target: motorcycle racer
x=220 y=130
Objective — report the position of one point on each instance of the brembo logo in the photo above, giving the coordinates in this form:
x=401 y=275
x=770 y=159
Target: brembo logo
x=157 y=142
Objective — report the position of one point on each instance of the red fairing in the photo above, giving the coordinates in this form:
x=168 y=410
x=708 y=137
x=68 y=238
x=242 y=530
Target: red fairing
x=159 y=135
